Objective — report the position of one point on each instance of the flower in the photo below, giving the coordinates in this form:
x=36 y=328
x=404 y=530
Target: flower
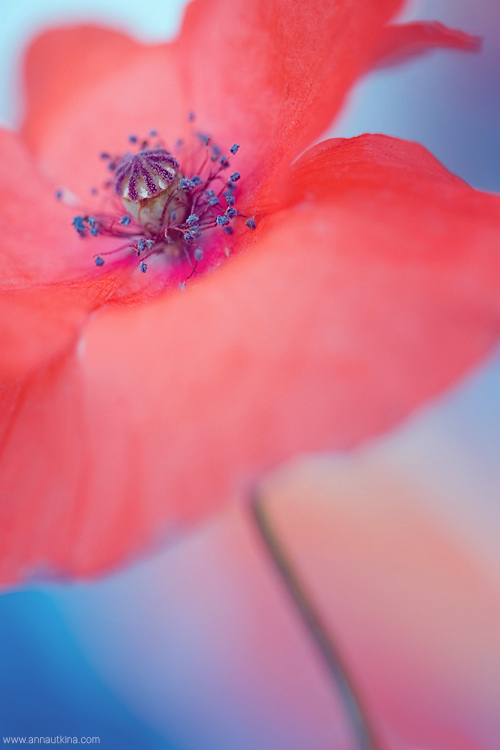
x=368 y=285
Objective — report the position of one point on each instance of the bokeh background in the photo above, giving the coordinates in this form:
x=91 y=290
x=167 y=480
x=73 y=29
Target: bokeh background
x=196 y=647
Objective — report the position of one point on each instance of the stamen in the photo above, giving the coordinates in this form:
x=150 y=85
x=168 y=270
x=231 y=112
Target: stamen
x=172 y=211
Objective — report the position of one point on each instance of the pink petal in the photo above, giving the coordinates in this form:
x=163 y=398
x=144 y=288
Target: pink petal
x=402 y=42
x=266 y=75
x=372 y=294
x=49 y=281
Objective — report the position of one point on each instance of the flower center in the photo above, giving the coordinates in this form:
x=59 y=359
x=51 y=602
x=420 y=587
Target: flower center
x=167 y=212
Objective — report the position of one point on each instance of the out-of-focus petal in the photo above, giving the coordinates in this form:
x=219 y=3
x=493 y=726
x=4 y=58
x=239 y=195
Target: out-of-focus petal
x=38 y=244
x=266 y=75
x=49 y=281
x=62 y=68
x=373 y=292
x=413 y=613
x=88 y=89
x=401 y=42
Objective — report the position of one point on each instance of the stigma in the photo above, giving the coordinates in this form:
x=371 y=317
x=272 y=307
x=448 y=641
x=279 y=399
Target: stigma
x=148 y=185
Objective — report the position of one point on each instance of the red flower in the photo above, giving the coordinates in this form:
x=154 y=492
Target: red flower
x=369 y=285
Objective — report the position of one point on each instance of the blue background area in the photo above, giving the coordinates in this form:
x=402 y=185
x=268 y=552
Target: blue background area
x=447 y=101
x=47 y=687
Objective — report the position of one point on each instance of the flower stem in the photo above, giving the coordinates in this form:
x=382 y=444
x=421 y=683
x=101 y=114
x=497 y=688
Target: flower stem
x=359 y=722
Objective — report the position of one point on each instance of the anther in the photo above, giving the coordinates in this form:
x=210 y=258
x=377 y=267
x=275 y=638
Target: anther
x=250 y=223
x=143 y=267
x=231 y=212
x=221 y=221
x=198 y=254
x=99 y=261
x=234 y=149
x=235 y=176
x=79 y=225
x=125 y=220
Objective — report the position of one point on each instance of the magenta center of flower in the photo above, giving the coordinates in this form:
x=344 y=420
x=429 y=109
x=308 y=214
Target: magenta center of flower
x=167 y=212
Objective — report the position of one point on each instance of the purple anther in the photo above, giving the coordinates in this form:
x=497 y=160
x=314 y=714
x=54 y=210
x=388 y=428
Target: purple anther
x=99 y=261
x=228 y=230
x=234 y=149
x=221 y=221
x=125 y=220
x=235 y=176
x=143 y=267
x=231 y=212
x=193 y=219
x=198 y=254
x=229 y=200
x=250 y=223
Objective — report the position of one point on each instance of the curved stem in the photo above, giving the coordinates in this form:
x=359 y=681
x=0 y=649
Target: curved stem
x=359 y=722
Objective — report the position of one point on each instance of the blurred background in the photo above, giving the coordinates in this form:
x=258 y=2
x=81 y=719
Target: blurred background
x=197 y=647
